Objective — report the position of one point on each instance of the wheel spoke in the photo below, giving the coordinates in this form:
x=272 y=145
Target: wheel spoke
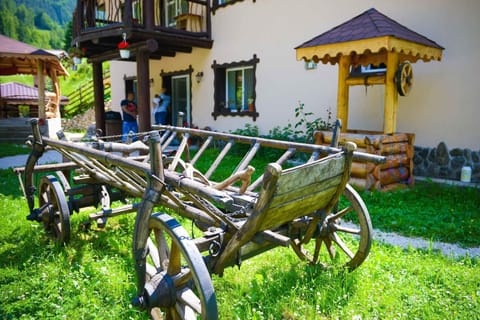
x=162 y=246
x=342 y=245
x=172 y=314
x=347 y=229
x=153 y=253
x=175 y=262
x=340 y=213
x=330 y=248
x=189 y=300
x=318 y=246
x=58 y=227
x=151 y=270
x=182 y=278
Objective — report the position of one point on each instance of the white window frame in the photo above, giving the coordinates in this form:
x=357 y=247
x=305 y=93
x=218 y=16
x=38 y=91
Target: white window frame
x=245 y=106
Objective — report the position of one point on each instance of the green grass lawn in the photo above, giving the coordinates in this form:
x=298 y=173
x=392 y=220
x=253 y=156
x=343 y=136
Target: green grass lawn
x=9 y=149
x=93 y=276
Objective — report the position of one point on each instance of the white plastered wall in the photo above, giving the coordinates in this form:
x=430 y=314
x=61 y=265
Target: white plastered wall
x=443 y=104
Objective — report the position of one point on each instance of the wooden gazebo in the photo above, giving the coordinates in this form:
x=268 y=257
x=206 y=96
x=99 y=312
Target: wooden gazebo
x=20 y=58
x=373 y=40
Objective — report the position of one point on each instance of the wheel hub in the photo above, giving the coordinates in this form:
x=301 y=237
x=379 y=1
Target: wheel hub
x=159 y=292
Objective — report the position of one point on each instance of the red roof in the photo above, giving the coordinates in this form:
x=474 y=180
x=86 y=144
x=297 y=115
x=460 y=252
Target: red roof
x=369 y=24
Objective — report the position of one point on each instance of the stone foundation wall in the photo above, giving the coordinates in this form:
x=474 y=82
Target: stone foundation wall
x=440 y=162
x=80 y=121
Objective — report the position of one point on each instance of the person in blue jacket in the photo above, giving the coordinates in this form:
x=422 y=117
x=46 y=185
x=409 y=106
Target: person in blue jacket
x=161 y=109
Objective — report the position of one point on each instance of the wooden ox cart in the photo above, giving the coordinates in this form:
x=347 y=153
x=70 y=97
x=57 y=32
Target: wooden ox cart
x=308 y=206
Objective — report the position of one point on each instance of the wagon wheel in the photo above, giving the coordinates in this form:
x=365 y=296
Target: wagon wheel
x=178 y=284
x=404 y=78
x=346 y=243
x=53 y=209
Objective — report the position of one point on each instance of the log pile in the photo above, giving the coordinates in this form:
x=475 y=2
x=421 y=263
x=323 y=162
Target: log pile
x=398 y=148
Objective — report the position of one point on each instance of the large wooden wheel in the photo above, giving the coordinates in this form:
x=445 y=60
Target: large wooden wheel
x=53 y=208
x=345 y=234
x=404 y=78
x=178 y=284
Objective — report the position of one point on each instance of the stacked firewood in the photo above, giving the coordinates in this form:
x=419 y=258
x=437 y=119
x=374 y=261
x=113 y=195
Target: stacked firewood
x=396 y=172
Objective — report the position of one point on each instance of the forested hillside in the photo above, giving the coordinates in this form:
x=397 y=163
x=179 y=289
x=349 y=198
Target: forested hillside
x=39 y=23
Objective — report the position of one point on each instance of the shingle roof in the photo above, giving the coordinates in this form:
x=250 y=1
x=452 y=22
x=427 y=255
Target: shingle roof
x=369 y=24
x=18 y=57
x=9 y=45
x=367 y=37
x=18 y=93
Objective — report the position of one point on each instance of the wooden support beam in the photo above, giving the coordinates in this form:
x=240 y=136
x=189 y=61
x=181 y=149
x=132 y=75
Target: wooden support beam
x=148 y=15
x=41 y=89
x=365 y=81
x=143 y=90
x=98 y=96
x=57 y=91
x=391 y=94
x=342 y=94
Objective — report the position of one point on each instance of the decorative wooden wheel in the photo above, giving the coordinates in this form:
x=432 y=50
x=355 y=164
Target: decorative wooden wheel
x=178 y=284
x=347 y=244
x=54 y=212
x=404 y=78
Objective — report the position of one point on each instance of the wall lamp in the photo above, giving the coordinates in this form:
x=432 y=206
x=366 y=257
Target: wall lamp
x=199 y=76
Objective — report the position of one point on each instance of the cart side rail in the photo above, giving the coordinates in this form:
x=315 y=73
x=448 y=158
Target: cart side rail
x=303 y=190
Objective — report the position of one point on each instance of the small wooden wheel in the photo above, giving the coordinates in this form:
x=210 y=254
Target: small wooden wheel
x=404 y=78
x=178 y=284
x=347 y=243
x=53 y=209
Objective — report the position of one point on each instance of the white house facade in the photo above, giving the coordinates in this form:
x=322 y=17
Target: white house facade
x=252 y=66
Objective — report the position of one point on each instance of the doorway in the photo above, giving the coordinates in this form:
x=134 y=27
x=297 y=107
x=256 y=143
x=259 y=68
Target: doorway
x=178 y=87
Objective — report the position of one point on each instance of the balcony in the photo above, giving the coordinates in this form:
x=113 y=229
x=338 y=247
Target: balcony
x=165 y=27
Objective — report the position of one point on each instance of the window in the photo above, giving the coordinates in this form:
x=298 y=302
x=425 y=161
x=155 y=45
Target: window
x=173 y=8
x=239 y=88
x=234 y=87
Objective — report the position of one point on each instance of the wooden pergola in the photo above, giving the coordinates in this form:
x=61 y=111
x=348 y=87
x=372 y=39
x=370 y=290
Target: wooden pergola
x=371 y=38
x=20 y=58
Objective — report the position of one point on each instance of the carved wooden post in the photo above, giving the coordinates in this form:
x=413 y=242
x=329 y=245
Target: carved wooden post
x=148 y=12
x=391 y=95
x=143 y=90
x=342 y=94
x=41 y=89
x=128 y=14
x=99 y=96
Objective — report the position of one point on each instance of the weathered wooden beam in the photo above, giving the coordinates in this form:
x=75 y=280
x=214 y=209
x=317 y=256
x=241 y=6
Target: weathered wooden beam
x=98 y=96
x=365 y=80
x=41 y=89
x=143 y=85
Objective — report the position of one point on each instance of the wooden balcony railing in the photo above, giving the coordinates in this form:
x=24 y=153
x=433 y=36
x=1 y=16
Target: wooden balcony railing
x=189 y=17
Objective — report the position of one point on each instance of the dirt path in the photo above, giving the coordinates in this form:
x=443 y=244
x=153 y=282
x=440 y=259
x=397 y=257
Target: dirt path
x=447 y=249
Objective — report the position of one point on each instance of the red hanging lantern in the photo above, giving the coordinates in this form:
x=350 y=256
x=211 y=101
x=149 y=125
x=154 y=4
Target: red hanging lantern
x=123 y=47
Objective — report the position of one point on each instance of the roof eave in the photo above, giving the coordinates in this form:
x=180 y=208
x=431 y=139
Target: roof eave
x=330 y=53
